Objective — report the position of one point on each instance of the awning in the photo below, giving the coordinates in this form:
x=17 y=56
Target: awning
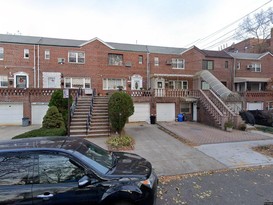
x=171 y=75
x=242 y=80
x=188 y=99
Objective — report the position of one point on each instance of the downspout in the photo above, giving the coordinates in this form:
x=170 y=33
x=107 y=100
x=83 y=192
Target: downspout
x=148 y=69
x=38 y=66
x=34 y=68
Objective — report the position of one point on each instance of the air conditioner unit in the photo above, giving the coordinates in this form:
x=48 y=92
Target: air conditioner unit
x=168 y=62
x=61 y=60
x=249 y=66
x=128 y=64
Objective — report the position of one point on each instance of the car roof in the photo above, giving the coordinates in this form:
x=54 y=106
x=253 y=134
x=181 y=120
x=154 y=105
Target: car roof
x=67 y=143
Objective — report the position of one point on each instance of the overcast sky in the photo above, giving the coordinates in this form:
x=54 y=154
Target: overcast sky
x=175 y=23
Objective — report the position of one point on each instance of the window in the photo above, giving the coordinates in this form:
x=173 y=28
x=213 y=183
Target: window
x=47 y=54
x=58 y=169
x=256 y=67
x=76 y=57
x=77 y=82
x=15 y=170
x=208 y=65
x=113 y=84
x=1 y=53
x=205 y=86
x=61 y=60
x=3 y=81
x=140 y=59
x=26 y=53
x=115 y=59
x=185 y=108
x=238 y=66
x=178 y=84
x=226 y=64
x=177 y=63
x=156 y=61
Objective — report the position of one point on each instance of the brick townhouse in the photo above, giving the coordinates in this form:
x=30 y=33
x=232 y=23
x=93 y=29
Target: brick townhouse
x=162 y=80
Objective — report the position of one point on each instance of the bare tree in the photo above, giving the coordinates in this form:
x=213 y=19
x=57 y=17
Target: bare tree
x=257 y=26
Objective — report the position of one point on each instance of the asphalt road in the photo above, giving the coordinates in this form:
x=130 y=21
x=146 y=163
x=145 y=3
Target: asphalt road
x=250 y=186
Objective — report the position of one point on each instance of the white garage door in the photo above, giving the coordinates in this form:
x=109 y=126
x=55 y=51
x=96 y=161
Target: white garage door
x=165 y=111
x=255 y=106
x=11 y=113
x=38 y=111
x=141 y=114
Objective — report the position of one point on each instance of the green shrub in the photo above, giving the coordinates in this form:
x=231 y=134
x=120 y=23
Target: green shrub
x=53 y=119
x=119 y=142
x=61 y=103
x=120 y=108
x=42 y=132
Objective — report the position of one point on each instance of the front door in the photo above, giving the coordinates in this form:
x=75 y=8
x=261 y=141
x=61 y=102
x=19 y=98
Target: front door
x=136 y=82
x=21 y=81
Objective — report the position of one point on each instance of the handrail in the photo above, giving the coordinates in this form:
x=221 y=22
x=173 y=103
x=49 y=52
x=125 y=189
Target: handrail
x=89 y=116
x=211 y=107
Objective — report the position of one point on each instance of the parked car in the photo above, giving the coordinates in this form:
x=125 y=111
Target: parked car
x=72 y=171
x=263 y=117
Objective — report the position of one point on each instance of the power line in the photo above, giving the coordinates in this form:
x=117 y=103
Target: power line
x=220 y=30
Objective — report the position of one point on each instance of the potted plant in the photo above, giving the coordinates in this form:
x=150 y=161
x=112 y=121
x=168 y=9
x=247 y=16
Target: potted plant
x=228 y=126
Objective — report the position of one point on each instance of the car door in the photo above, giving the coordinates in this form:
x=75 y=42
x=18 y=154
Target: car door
x=56 y=182
x=16 y=171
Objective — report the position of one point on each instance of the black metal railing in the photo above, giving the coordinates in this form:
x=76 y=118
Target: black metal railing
x=89 y=116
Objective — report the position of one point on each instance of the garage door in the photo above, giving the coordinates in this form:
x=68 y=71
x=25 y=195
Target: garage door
x=38 y=111
x=255 y=106
x=165 y=111
x=141 y=114
x=11 y=113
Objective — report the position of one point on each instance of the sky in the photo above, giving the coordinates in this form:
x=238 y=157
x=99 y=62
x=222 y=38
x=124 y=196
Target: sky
x=171 y=23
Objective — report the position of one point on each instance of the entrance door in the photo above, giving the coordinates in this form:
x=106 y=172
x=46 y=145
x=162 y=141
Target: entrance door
x=194 y=112
x=136 y=82
x=21 y=81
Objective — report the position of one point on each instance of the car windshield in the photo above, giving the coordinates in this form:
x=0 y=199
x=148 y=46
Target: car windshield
x=98 y=157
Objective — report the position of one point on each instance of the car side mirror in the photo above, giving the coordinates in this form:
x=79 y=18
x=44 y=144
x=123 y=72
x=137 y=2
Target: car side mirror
x=84 y=181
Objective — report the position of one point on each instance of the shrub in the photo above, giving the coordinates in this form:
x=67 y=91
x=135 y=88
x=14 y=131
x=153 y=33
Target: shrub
x=42 y=132
x=53 y=119
x=120 y=108
x=61 y=103
x=228 y=124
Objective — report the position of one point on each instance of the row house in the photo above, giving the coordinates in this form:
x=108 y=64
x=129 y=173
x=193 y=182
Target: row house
x=163 y=81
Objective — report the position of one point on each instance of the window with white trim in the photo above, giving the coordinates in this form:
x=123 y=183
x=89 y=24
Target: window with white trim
x=76 y=57
x=1 y=53
x=256 y=67
x=178 y=63
x=156 y=61
x=140 y=59
x=47 y=54
x=26 y=53
x=178 y=84
x=115 y=59
x=77 y=82
x=3 y=81
x=113 y=84
x=185 y=107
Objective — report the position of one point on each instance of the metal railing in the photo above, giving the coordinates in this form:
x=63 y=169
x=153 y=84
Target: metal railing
x=89 y=116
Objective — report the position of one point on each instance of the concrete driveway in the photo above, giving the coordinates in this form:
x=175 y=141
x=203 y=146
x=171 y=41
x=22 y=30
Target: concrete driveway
x=7 y=132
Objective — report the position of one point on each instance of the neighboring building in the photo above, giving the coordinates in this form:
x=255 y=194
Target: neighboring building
x=161 y=80
x=252 y=45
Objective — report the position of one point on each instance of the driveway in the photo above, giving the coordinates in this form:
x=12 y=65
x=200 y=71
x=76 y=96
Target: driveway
x=7 y=132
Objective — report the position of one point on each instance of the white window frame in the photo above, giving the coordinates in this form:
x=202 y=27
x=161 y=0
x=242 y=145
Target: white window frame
x=156 y=61
x=86 y=82
x=26 y=53
x=1 y=53
x=178 y=63
x=115 y=59
x=4 y=81
x=184 y=84
x=47 y=54
x=113 y=83
x=256 y=67
x=77 y=57
x=140 y=59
